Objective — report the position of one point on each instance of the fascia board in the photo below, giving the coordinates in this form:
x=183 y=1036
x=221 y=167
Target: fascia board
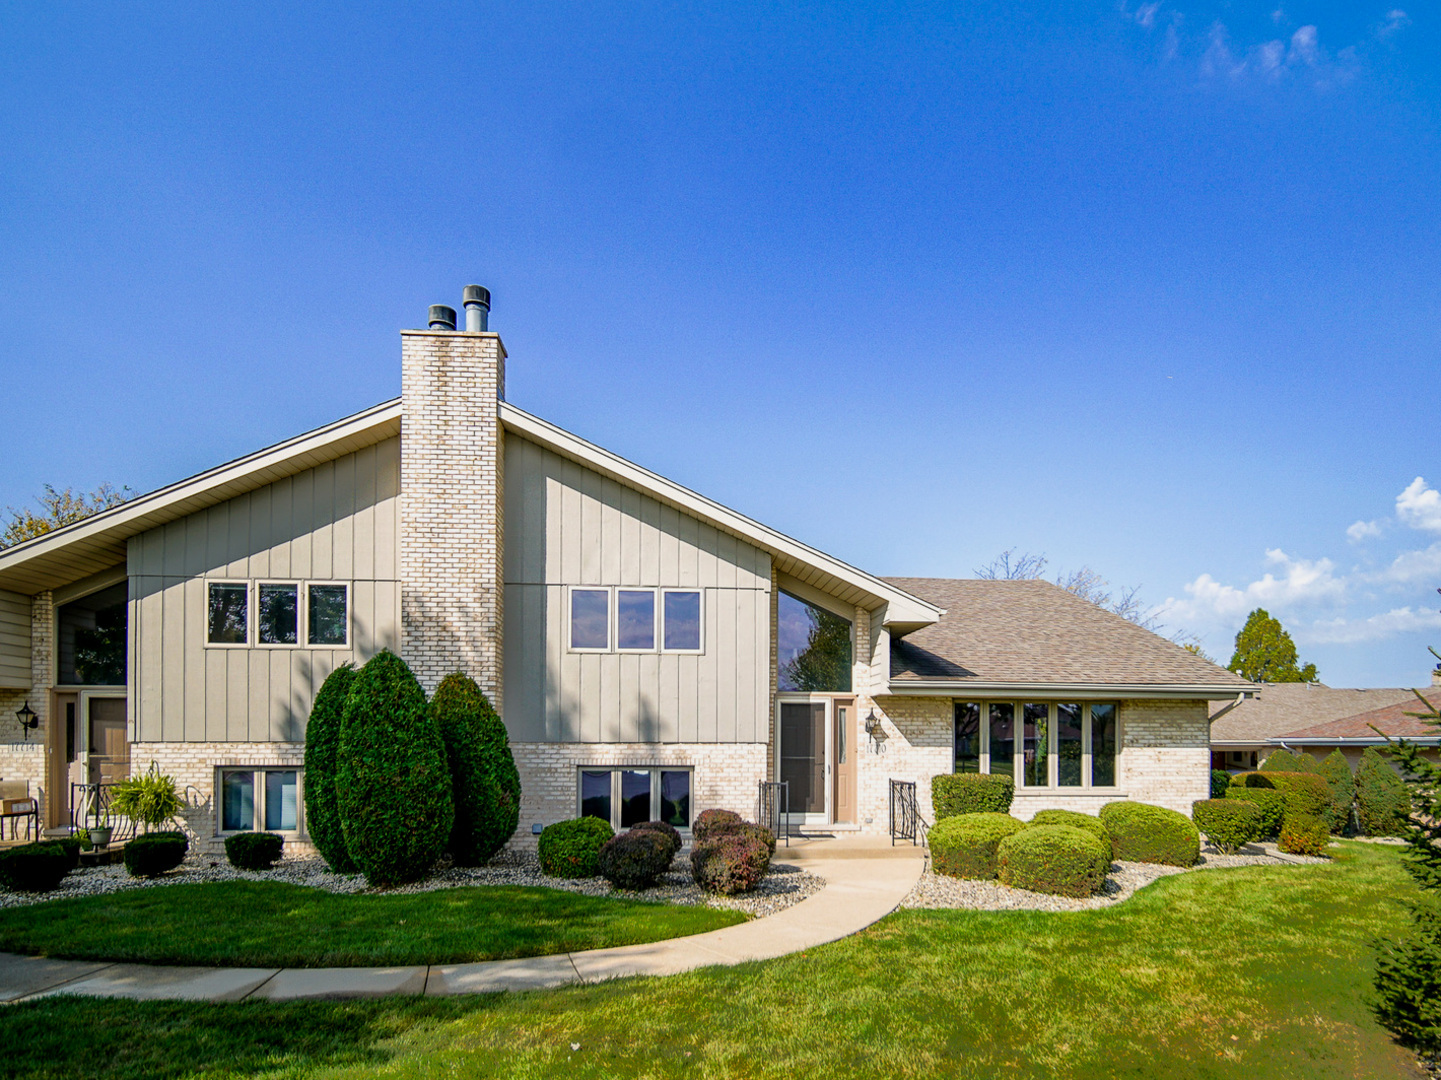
x=1086 y=691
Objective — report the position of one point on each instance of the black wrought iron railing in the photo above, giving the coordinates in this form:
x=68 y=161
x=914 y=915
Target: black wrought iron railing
x=905 y=818
x=773 y=808
x=90 y=809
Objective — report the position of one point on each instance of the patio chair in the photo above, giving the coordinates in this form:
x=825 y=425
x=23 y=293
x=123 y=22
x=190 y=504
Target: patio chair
x=16 y=804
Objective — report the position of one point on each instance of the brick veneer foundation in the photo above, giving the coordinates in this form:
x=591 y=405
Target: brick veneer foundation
x=23 y=758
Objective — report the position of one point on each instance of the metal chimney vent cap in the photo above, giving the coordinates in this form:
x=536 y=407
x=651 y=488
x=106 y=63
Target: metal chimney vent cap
x=442 y=317
x=476 y=294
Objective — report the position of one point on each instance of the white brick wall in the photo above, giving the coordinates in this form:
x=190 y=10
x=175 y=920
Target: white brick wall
x=22 y=758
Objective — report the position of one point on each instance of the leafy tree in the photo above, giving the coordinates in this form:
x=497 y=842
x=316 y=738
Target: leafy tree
x=1266 y=653
x=59 y=508
x=1408 y=969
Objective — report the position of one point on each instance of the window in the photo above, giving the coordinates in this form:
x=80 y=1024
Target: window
x=1064 y=745
x=635 y=620
x=229 y=614
x=813 y=647
x=278 y=618
x=328 y=621
x=256 y=799
x=590 y=619
x=682 y=620
x=627 y=796
x=91 y=638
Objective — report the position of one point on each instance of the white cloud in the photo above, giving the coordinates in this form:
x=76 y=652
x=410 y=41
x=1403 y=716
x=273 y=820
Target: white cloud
x=1304 y=48
x=1363 y=530
x=1419 y=506
x=1376 y=628
x=1303 y=583
x=1396 y=21
x=1412 y=568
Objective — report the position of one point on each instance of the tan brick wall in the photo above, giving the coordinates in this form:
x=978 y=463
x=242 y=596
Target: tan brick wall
x=22 y=758
x=1165 y=753
x=917 y=747
x=726 y=776
x=450 y=507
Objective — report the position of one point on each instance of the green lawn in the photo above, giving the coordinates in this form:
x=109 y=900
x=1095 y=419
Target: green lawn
x=270 y=924
x=1253 y=974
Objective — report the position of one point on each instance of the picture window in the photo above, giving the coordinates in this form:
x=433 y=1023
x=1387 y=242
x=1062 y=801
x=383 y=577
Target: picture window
x=1061 y=745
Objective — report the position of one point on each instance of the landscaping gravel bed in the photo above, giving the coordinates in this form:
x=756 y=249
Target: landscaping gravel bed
x=782 y=887
x=940 y=891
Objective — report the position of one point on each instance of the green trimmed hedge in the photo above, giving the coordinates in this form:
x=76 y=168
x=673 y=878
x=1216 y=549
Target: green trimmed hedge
x=254 y=850
x=152 y=854
x=1076 y=820
x=1304 y=834
x=1286 y=761
x=1220 y=781
x=393 y=782
x=1229 y=824
x=1383 y=801
x=37 y=867
x=971 y=793
x=571 y=849
x=1056 y=859
x=1306 y=794
x=634 y=859
x=484 y=781
x=1269 y=802
x=965 y=846
x=322 y=760
x=1151 y=834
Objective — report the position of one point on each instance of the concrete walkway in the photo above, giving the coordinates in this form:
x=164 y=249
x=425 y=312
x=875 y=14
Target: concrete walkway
x=864 y=882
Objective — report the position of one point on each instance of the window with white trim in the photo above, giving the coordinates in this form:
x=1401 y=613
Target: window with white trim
x=259 y=799
x=628 y=795
x=635 y=620
x=287 y=614
x=228 y=613
x=1041 y=744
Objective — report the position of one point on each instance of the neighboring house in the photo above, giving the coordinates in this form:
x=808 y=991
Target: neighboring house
x=652 y=652
x=1352 y=734
x=1244 y=729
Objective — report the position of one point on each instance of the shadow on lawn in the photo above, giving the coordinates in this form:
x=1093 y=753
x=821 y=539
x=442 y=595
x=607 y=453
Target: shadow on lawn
x=73 y=1038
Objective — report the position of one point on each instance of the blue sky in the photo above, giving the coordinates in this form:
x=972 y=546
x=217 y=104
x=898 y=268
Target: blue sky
x=1151 y=288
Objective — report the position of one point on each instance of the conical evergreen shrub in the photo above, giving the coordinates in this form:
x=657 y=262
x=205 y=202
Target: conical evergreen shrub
x=483 y=777
x=394 y=785
x=322 y=759
x=1337 y=771
x=1382 y=801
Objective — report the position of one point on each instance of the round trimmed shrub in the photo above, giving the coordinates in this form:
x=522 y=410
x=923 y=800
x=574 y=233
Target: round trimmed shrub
x=1253 y=779
x=254 y=850
x=1304 y=834
x=1057 y=859
x=322 y=763
x=37 y=867
x=710 y=823
x=483 y=778
x=1151 y=834
x=1076 y=820
x=393 y=783
x=965 y=846
x=571 y=849
x=1383 y=802
x=1307 y=794
x=634 y=859
x=1220 y=781
x=153 y=854
x=953 y=794
x=730 y=863
x=1269 y=802
x=666 y=829
x=1229 y=824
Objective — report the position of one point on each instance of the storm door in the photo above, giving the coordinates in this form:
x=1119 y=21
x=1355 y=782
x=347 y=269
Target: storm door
x=803 y=758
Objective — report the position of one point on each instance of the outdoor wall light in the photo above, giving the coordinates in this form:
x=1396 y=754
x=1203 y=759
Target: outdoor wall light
x=28 y=720
x=876 y=732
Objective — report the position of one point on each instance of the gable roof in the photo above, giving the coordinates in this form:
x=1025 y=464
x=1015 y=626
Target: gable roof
x=1016 y=635
x=1285 y=707
x=1391 y=720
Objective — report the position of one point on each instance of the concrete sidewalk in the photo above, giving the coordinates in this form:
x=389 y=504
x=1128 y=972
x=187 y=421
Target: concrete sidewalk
x=864 y=882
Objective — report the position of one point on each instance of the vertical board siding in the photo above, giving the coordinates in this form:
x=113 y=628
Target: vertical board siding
x=336 y=522
x=14 y=641
x=569 y=525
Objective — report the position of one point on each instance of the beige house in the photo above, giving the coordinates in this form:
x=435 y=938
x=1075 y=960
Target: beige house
x=652 y=652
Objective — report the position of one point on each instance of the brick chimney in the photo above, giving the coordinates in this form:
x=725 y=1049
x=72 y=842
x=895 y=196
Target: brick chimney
x=452 y=458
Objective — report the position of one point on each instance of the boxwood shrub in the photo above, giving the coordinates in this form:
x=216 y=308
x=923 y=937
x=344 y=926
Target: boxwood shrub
x=1057 y=859
x=971 y=793
x=1220 y=781
x=1269 y=802
x=483 y=778
x=1151 y=834
x=965 y=846
x=254 y=850
x=710 y=823
x=571 y=849
x=322 y=761
x=1229 y=824
x=634 y=859
x=393 y=781
x=1304 y=834
x=730 y=863
x=37 y=867
x=1076 y=820
x=666 y=829
x=152 y=854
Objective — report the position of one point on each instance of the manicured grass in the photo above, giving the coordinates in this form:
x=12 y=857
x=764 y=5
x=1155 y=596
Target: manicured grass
x=271 y=924
x=1253 y=974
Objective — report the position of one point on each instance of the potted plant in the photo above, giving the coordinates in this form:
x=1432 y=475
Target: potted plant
x=101 y=831
x=149 y=799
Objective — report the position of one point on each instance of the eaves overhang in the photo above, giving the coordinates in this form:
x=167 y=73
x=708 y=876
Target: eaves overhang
x=1082 y=691
x=1370 y=740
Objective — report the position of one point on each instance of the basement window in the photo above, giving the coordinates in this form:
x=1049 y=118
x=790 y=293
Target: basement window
x=633 y=794
x=260 y=799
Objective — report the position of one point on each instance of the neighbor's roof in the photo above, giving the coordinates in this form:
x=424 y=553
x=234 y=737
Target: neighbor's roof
x=1283 y=707
x=1390 y=720
x=1015 y=635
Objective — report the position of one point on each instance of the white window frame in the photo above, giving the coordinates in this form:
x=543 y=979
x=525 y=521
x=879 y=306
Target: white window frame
x=570 y=644
x=306 y=643
x=660 y=618
x=249 y=614
x=257 y=781
x=655 y=789
x=1053 y=759
x=656 y=626
x=300 y=627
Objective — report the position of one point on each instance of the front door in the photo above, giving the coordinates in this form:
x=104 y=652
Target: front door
x=803 y=757
x=843 y=749
x=109 y=750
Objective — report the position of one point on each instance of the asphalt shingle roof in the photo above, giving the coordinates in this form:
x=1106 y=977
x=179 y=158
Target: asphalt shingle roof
x=1033 y=632
x=1286 y=707
x=1390 y=720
